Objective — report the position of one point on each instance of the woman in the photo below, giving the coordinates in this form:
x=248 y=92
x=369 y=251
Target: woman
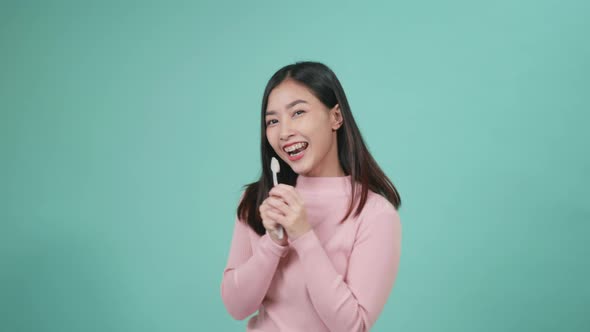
x=336 y=264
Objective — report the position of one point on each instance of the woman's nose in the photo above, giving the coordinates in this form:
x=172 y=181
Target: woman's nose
x=286 y=132
x=285 y=136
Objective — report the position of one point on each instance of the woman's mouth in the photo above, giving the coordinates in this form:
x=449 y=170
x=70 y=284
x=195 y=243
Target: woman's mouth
x=296 y=151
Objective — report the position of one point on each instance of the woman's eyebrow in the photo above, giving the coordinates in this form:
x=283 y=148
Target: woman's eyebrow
x=293 y=103
x=289 y=105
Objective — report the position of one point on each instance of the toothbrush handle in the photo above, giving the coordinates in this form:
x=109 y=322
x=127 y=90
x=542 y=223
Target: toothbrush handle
x=280 y=232
x=280 y=228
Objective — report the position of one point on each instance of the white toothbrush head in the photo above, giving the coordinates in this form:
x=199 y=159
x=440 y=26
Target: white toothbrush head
x=274 y=165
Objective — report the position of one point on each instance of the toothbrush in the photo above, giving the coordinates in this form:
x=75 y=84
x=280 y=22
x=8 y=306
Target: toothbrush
x=275 y=167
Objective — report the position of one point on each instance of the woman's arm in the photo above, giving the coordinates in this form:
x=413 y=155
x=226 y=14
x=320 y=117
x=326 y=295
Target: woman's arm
x=248 y=274
x=353 y=303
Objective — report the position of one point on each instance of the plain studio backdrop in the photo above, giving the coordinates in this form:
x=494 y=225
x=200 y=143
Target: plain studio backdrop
x=127 y=130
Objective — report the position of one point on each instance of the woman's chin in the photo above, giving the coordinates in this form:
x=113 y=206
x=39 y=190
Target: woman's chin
x=305 y=171
x=301 y=166
x=299 y=170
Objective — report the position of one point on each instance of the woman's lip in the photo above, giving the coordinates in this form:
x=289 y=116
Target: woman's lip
x=288 y=145
x=297 y=157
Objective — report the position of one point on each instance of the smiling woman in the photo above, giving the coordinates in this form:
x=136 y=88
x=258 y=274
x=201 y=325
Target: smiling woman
x=334 y=269
x=296 y=123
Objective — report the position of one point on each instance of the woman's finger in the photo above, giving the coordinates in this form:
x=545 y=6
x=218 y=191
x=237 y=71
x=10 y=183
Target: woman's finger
x=278 y=205
x=268 y=221
x=286 y=193
x=276 y=217
x=262 y=209
x=290 y=196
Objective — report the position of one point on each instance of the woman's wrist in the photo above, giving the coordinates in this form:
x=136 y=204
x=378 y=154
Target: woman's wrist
x=299 y=233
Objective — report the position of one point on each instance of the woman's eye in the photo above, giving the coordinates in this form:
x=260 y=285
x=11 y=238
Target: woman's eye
x=298 y=112
x=270 y=122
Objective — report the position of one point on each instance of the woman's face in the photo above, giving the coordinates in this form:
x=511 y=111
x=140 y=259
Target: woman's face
x=302 y=130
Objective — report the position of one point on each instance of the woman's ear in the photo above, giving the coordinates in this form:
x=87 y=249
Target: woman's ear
x=336 y=117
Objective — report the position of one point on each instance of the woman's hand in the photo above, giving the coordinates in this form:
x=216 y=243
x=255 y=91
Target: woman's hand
x=267 y=213
x=288 y=210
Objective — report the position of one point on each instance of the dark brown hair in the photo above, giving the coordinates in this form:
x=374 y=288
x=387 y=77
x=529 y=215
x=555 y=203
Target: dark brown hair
x=355 y=159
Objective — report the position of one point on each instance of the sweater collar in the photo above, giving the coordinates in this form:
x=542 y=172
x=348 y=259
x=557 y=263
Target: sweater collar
x=339 y=185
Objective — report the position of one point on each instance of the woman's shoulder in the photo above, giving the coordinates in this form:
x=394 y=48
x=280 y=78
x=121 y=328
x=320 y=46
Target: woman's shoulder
x=377 y=204
x=378 y=218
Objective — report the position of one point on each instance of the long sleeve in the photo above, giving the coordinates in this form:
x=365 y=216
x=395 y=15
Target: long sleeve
x=353 y=302
x=248 y=273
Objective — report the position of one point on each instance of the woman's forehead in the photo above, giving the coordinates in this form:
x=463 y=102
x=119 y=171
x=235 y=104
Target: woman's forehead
x=287 y=95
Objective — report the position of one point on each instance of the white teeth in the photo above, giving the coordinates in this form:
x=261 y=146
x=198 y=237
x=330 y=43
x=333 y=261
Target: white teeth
x=294 y=147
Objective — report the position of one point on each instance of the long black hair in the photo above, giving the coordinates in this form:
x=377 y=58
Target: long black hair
x=353 y=155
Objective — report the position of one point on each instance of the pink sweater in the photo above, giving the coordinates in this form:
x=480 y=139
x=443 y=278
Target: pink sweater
x=336 y=277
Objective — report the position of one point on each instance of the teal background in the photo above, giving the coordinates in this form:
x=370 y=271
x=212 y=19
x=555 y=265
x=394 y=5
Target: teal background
x=128 y=128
